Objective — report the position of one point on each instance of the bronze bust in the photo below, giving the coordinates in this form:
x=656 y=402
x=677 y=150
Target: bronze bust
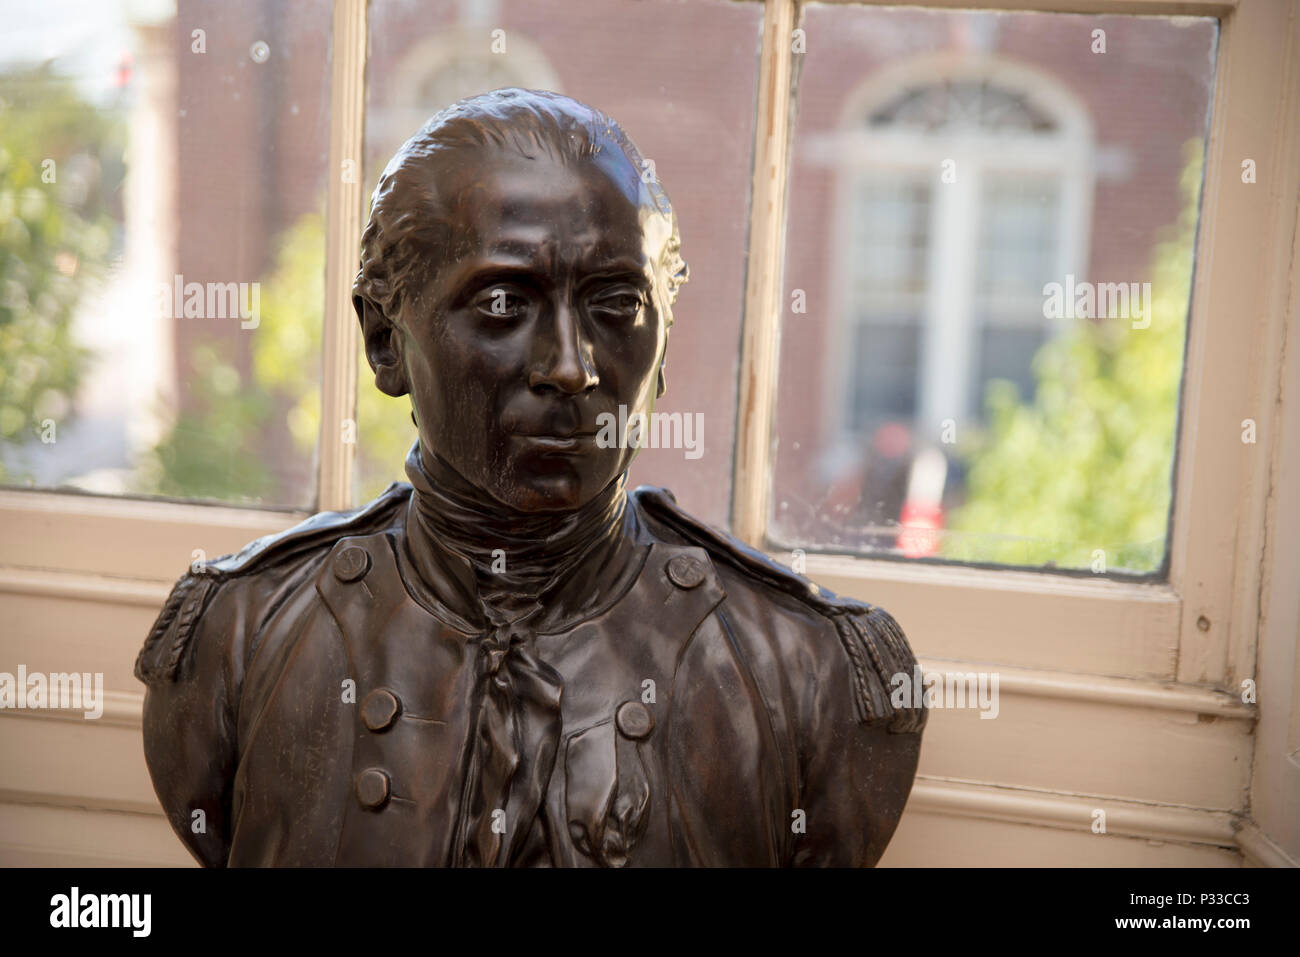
x=512 y=661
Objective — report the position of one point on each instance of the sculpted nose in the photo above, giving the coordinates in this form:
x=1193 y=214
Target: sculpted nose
x=565 y=360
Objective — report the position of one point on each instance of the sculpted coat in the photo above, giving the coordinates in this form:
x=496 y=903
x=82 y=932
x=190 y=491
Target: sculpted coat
x=766 y=698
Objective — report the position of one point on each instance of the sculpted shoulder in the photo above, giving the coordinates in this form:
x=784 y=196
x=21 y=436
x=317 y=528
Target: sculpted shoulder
x=808 y=623
x=260 y=569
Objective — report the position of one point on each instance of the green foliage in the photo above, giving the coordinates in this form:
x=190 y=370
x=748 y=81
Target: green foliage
x=207 y=453
x=1087 y=464
x=59 y=164
x=286 y=359
x=203 y=457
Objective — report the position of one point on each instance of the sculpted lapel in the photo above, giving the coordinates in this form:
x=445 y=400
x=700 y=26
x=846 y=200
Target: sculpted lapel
x=410 y=723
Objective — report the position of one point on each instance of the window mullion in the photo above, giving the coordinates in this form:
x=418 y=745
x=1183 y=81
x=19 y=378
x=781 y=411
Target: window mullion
x=760 y=337
x=343 y=217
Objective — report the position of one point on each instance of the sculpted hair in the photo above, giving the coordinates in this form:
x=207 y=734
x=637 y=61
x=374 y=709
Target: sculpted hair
x=406 y=224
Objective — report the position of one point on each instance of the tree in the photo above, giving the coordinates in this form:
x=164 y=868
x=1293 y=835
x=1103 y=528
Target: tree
x=211 y=449
x=1084 y=470
x=60 y=166
x=208 y=453
x=287 y=357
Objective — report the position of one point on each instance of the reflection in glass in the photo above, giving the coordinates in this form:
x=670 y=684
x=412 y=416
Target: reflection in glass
x=156 y=163
x=950 y=170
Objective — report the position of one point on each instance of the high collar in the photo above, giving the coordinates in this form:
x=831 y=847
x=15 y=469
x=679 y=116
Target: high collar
x=493 y=566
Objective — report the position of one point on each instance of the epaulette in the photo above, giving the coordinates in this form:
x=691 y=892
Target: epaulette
x=876 y=646
x=160 y=658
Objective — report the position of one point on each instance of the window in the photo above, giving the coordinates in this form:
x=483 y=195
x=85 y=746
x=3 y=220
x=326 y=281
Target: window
x=159 y=168
x=941 y=276
x=953 y=168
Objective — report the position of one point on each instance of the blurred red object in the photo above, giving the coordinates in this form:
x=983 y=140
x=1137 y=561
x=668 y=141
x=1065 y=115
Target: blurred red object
x=125 y=68
x=921 y=516
x=920 y=524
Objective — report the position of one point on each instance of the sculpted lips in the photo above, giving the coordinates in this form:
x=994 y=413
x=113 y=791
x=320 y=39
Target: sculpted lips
x=563 y=431
x=555 y=442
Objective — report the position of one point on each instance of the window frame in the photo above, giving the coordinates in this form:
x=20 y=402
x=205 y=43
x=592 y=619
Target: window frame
x=1187 y=629
x=1034 y=620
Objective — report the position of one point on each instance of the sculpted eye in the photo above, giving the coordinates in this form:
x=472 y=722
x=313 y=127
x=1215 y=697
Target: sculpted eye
x=500 y=303
x=620 y=302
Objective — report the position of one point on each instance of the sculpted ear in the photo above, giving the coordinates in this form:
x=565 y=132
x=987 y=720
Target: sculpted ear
x=383 y=346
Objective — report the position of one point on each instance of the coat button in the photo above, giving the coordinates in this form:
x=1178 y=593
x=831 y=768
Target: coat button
x=380 y=709
x=373 y=789
x=351 y=563
x=686 y=571
x=634 y=720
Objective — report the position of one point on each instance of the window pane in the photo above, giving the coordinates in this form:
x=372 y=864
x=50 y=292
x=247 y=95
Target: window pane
x=690 y=109
x=1019 y=245
x=988 y=263
x=162 y=182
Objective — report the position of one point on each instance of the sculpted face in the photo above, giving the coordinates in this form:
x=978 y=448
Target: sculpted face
x=548 y=311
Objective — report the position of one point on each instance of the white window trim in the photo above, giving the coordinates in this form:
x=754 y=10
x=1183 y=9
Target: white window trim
x=1148 y=630
x=344 y=216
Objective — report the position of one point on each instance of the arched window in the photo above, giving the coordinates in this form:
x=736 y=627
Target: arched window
x=452 y=64
x=964 y=187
